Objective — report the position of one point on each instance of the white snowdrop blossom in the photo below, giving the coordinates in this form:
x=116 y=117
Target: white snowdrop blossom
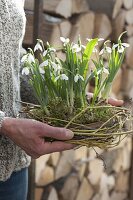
x=64 y=40
x=56 y=67
x=38 y=47
x=24 y=58
x=121 y=47
x=105 y=50
x=45 y=53
x=62 y=77
x=44 y=64
x=78 y=77
x=51 y=49
x=41 y=70
x=25 y=71
x=76 y=48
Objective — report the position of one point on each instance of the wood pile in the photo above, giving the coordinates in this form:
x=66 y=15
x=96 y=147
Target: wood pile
x=80 y=174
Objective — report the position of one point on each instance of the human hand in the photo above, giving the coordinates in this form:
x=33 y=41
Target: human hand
x=30 y=136
x=111 y=101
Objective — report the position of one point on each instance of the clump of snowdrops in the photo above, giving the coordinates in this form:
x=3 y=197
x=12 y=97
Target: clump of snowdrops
x=60 y=86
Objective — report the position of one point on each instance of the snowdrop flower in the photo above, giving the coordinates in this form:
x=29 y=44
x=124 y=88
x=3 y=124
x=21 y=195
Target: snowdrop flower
x=25 y=71
x=56 y=67
x=121 y=46
x=64 y=40
x=24 y=58
x=28 y=58
x=41 y=70
x=44 y=64
x=78 y=77
x=105 y=50
x=76 y=48
x=62 y=77
x=45 y=53
x=38 y=47
x=51 y=49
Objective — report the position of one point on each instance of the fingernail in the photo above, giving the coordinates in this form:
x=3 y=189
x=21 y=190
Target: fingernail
x=69 y=133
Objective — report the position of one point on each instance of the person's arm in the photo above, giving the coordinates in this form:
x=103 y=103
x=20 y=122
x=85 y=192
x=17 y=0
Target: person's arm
x=30 y=135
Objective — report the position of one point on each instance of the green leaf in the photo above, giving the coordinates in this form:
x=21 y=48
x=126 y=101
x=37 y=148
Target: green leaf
x=87 y=54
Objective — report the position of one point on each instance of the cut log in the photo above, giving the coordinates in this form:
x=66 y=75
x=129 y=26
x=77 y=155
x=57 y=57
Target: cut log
x=85 y=191
x=85 y=24
x=117 y=7
x=95 y=169
x=65 y=28
x=129 y=17
x=118 y=196
x=65 y=164
x=40 y=166
x=79 y=6
x=46 y=176
x=117 y=30
x=81 y=153
x=58 y=7
x=70 y=188
x=129 y=53
x=53 y=195
x=108 y=7
x=28 y=39
x=103 y=26
x=54 y=158
x=122 y=182
x=128 y=4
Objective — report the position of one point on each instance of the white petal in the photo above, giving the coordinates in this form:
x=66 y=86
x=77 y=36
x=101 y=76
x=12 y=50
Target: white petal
x=62 y=39
x=67 y=40
x=25 y=71
x=83 y=46
x=81 y=77
x=56 y=79
x=100 y=39
x=31 y=58
x=115 y=46
x=24 y=58
x=101 y=52
x=64 y=77
x=52 y=49
x=108 y=49
x=45 y=63
x=88 y=39
x=76 y=78
x=45 y=53
x=105 y=71
x=42 y=71
x=38 y=47
x=120 y=49
x=125 y=45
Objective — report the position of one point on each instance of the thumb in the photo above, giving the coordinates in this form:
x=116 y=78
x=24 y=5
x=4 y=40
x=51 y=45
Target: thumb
x=57 y=133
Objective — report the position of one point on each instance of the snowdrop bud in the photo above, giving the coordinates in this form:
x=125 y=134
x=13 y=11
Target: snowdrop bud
x=25 y=71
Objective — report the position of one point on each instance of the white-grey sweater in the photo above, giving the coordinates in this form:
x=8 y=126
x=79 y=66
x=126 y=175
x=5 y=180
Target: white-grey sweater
x=12 y=28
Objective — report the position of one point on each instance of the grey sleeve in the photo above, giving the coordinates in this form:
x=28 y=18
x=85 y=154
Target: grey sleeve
x=2 y=115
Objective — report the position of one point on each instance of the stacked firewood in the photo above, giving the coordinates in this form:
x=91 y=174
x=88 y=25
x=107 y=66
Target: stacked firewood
x=83 y=173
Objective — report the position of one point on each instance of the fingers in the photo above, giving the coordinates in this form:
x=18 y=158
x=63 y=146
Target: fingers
x=57 y=133
x=115 y=102
x=55 y=147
